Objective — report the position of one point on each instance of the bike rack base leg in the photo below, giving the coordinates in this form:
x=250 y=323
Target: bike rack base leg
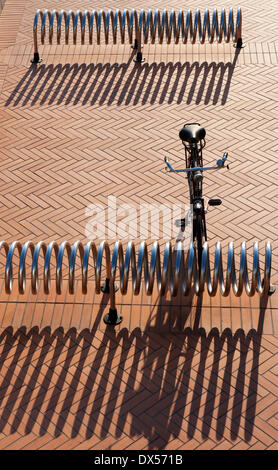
x=112 y=317
x=135 y=45
x=105 y=288
x=36 y=59
x=271 y=288
x=139 y=58
x=239 y=44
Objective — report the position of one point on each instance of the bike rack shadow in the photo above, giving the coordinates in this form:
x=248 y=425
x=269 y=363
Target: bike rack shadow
x=125 y=390
x=125 y=84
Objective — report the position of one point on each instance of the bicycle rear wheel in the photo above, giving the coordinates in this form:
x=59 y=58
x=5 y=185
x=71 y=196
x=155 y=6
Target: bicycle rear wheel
x=199 y=238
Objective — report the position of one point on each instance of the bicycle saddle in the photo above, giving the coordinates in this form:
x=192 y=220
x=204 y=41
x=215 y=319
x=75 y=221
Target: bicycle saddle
x=192 y=133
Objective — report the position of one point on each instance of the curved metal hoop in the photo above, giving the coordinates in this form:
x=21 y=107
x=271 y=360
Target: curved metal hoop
x=173 y=270
x=142 y=26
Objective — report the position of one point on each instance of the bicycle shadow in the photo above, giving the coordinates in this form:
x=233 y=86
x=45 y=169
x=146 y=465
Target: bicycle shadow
x=125 y=84
x=177 y=408
x=149 y=382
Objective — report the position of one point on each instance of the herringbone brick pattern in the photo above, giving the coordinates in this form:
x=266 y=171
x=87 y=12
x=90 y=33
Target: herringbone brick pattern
x=87 y=124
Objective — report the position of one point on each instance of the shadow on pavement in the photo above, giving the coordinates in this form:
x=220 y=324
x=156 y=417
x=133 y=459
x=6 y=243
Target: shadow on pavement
x=100 y=382
x=125 y=84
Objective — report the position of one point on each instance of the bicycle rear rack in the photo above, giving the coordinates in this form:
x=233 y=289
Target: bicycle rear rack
x=173 y=271
x=162 y=26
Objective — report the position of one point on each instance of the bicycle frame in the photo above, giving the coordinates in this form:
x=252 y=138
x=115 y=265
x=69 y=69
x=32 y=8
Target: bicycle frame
x=194 y=161
x=194 y=169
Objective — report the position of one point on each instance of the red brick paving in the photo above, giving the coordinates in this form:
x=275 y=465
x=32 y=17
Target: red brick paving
x=180 y=374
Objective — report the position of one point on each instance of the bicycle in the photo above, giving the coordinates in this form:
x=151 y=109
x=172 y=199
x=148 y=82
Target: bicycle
x=193 y=139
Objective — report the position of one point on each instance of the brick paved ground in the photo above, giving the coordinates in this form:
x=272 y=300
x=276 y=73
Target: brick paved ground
x=85 y=124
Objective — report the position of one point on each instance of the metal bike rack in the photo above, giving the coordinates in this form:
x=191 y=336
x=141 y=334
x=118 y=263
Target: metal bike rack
x=2 y=3
x=142 y=26
x=175 y=270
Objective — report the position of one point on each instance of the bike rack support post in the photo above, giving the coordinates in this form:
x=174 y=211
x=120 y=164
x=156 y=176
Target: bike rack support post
x=239 y=43
x=112 y=317
x=36 y=59
x=138 y=42
x=135 y=45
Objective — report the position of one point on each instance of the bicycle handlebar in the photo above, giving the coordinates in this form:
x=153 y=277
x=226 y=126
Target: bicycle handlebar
x=219 y=164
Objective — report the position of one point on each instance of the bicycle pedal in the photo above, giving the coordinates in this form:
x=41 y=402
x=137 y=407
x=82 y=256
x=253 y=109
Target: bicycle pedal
x=180 y=223
x=214 y=202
